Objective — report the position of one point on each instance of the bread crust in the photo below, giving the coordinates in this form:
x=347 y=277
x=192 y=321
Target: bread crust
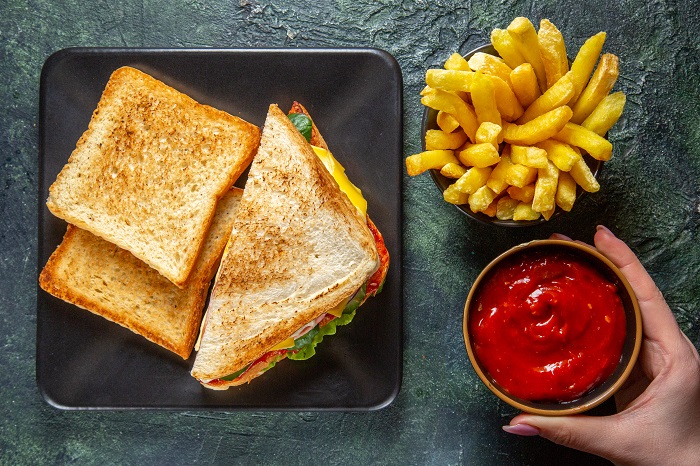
x=147 y=173
x=93 y=274
x=297 y=249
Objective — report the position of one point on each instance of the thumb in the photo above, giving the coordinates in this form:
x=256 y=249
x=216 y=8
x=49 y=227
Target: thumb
x=597 y=435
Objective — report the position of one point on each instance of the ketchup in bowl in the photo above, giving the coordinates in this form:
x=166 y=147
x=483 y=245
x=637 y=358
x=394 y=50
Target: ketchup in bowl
x=547 y=326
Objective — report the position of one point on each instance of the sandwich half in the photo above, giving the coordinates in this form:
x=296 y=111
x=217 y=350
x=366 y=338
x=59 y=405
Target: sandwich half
x=300 y=260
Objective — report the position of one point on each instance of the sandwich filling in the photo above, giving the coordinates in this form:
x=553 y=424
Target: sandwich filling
x=303 y=342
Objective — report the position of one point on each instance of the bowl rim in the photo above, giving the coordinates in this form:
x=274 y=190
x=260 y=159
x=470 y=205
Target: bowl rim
x=578 y=405
x=439 y=180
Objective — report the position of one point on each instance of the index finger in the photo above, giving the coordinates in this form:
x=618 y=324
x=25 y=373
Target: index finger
x=658 y=320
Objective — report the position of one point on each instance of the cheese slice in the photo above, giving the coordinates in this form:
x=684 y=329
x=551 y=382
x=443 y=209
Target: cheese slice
x=338 y=173
x=338 y=310
x=288 y=343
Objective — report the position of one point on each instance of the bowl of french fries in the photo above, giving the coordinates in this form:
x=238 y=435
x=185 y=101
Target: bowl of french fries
x=513 y=132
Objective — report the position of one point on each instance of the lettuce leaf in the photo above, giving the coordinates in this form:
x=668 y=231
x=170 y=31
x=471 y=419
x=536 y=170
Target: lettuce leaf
x=272 y=363
x=346 y=317
x=302 y=123
x=235 y=375
x=305 y=339
x=239 y=373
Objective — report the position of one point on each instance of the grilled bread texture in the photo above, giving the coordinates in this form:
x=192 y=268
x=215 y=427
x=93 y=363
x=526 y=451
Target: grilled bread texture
x=298 y=248
x=148 y=172
x=92 y=273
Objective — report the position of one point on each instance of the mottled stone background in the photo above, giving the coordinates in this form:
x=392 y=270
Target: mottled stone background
x=443 y=415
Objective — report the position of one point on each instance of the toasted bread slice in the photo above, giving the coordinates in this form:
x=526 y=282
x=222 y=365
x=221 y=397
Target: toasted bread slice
x=147 y=173
x=298 y=248
x=96 y=275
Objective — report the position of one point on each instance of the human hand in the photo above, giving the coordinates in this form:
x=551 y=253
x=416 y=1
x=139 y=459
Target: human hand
x=658 y=419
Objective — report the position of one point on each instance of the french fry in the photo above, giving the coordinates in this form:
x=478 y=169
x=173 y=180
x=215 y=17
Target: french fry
x=561 y=154
x=449 y=80
x=497 y=180
x=456 y=62
x=598 y=87
x=523 y=211
x=508 y=105
x=543 y=127
x=472 y=180
x=553 y=51
x=524 y=83
x=597 y=146
x=545 y=188
x=454 y=196
x=484 y=99
x=491 y=209
x=451 y=103
x=490 y=64
x=479 y=155
x=525 y=38
x=556 y=96
x=446 y=122
x=566 y=191
x=547 y=214
x=583 y=177
x=481 y=199
x=428 y=160
x=453 y=170
x=524 y=194
x=505 y=207
x=584 y=63
x=506 y=48
x=489 y=132
x=520 y=175
x=529 y=156
x=436 y=139
x=606 y=114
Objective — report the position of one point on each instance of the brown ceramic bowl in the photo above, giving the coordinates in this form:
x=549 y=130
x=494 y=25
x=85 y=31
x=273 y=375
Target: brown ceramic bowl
x=442 y=182
x=631 y=344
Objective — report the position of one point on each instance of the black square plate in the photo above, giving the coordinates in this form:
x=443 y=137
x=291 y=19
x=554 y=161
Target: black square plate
x=355 y=97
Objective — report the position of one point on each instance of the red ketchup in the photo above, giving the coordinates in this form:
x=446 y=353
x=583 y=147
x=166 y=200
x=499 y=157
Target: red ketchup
x=547 y=327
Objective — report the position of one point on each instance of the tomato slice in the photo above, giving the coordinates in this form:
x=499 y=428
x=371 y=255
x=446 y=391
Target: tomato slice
x=376 y=280
x=327 y=318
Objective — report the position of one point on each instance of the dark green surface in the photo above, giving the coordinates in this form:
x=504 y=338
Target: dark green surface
x=443 y=415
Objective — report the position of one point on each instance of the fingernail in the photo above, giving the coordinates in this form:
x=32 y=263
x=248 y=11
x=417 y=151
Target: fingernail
x=559 y=236
x=603 y=228
x=522 y=429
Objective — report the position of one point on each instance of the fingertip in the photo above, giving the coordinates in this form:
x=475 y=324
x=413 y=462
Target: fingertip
x=613 y=247
x=601 y=231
